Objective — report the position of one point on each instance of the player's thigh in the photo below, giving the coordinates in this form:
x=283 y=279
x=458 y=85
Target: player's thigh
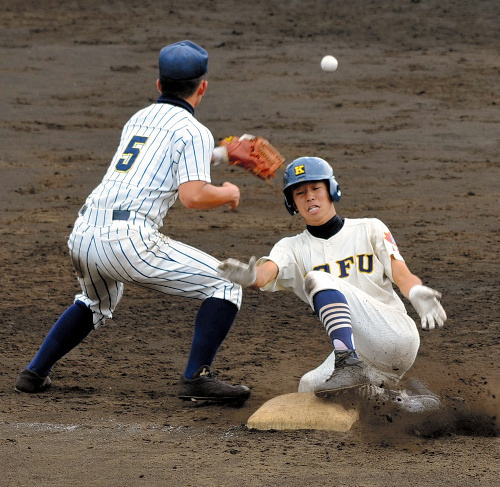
x=152 y=260
x=384 y=336
x=100 y=291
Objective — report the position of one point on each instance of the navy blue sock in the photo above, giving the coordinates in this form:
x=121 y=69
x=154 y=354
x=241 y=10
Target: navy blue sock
x=333 y=311
x=213 y=322
x=68 y=331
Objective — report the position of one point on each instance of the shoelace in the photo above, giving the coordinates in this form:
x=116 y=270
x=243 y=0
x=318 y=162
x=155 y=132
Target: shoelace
x=341 y=359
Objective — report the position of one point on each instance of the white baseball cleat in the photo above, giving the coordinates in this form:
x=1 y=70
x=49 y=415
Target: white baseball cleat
x=417 y=399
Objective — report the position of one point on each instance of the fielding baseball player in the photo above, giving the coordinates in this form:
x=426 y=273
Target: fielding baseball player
x=345 y=270
x=164 y=154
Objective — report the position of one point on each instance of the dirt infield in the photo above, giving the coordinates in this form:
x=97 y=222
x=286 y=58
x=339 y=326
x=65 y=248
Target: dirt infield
x=410 y=123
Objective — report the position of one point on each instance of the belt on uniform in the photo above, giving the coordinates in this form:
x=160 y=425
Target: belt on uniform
x=121 y=214
x=116 y=214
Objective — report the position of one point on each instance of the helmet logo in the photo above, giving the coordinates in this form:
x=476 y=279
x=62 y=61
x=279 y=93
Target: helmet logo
x=300 y=170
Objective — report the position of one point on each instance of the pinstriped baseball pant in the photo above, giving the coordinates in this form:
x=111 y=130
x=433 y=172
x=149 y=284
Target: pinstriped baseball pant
x=106 y=257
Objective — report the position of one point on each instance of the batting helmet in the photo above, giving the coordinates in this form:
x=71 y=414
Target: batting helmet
x=308 y=169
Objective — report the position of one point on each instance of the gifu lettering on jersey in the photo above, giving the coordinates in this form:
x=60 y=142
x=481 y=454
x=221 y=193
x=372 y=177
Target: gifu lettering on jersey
x=130 y=153
x=363 y=262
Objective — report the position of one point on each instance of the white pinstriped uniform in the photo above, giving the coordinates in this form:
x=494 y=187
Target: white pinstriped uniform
x=161 y=147
x=357 y=262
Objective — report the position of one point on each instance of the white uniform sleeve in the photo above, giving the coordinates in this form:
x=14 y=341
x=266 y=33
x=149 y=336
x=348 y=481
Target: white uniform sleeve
x=385 y=246
x=195 y=157
x=290 y=277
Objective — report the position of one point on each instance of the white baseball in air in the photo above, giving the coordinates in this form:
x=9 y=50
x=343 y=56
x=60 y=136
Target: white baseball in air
x=329 y=63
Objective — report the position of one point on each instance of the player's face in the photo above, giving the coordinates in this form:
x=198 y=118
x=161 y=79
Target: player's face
x=313 y=202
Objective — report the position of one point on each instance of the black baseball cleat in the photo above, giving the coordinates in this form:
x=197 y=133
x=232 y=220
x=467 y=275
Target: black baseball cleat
x=29 y=381
x=349 y=373
x=205 y=387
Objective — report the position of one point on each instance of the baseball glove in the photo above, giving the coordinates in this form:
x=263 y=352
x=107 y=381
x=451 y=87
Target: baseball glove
x=254 y=154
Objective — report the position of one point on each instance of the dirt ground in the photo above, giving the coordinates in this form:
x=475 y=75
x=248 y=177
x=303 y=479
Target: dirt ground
x=410 y=123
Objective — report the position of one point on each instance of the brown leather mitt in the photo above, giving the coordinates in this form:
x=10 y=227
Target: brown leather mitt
x=254 y=154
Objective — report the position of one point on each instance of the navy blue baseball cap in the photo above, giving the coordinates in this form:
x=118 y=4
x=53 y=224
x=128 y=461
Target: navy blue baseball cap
x=183 y=60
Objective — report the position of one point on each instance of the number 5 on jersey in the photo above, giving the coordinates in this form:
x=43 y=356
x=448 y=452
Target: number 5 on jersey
x=130 y=154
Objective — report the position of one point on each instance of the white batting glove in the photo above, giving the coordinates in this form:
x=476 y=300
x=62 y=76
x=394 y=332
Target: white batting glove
x=220 y=156
x=239 y=272
x=425 y=301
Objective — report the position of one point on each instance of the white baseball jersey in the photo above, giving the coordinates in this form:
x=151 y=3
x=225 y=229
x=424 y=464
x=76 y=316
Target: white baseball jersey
x=161 y=147
x=357 y=262
x=116 y=238
x=360 y=253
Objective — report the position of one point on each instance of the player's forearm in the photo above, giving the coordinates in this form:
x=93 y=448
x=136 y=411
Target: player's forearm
x=248 y=275
x=406 y=285
x=200 y=195
x=403 y=277
x=261 y=281
x=207 y=198
x=266 y=272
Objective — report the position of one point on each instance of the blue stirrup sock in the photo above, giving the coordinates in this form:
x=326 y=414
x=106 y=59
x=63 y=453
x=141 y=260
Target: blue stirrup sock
x=213 y=322
x=68 y=331
x=333 y=311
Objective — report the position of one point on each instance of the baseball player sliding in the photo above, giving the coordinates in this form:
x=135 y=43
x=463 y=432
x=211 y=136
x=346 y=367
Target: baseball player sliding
x=164 y=154
x=345 y=270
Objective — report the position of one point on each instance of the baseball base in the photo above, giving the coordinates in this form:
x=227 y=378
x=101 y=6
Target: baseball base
x=302 y=410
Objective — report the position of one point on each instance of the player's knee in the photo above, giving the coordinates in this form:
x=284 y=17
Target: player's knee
x=316 y=281
x=229 y=292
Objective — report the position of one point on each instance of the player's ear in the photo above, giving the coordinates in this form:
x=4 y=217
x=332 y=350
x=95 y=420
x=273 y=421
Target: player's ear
x=202 y=88
x=158 y=85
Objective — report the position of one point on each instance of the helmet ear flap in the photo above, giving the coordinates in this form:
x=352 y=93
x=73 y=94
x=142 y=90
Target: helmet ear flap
x=335 y=192
x=289 y=204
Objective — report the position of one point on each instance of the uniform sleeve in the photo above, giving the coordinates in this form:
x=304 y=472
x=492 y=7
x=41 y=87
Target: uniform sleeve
x=196 y=154
x=385 y=246
x=290 y=277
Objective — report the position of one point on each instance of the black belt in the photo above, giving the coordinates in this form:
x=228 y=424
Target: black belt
x=117 y=214
x=121 y=214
